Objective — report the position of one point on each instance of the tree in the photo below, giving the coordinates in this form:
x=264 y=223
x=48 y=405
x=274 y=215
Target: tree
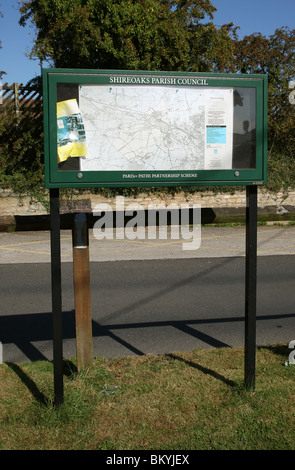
x=274 y=56
x=131 y=35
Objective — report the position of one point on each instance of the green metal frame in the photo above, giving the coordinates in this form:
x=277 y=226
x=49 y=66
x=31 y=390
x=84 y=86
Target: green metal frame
x=55 y=178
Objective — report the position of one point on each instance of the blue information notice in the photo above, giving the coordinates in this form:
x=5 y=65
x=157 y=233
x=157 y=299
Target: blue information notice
x=216 y=135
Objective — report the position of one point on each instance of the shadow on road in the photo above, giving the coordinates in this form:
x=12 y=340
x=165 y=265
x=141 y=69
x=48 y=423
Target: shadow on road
x=23 y=330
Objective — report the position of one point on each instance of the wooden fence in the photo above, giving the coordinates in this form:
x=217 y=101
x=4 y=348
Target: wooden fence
x=24 y=98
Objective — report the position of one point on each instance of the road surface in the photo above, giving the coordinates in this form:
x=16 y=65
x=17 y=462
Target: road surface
x=148 y=306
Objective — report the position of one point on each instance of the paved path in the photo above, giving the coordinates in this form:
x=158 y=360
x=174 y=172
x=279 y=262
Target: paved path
x=34 y=247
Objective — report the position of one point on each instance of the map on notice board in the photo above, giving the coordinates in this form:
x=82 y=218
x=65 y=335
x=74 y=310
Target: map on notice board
x=132 y=128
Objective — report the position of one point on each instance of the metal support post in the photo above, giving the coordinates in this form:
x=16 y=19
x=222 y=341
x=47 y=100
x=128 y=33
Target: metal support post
x=56 y=296
x=251 y=286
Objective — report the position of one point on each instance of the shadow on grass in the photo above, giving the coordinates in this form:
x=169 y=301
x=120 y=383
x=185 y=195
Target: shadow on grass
x=281 y=350
x=29 y=383
x=69 y=370
x=205 y=370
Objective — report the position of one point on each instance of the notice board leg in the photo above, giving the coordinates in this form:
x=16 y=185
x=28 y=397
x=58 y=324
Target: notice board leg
x=56 y=296
x=251 y=286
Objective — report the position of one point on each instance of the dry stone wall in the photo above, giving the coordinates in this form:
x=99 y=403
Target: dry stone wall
x=12 y=205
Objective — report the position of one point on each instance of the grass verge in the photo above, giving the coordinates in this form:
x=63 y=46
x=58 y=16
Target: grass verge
x=179 y=401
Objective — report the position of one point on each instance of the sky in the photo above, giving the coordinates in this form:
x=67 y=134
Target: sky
x=252 y=16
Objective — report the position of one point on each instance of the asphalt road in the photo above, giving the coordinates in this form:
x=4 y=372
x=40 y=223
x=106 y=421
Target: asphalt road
x=148 y=306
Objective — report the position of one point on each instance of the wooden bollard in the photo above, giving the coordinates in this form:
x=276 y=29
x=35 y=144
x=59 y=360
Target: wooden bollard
x=82 y=291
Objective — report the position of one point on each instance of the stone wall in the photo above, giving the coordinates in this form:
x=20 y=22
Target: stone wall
x=26 y=214
x=12 y=205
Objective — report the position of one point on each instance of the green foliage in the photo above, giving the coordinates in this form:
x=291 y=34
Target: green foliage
x=21 y=151
x=281 y=171
x=138 y=35
x=172 y=35
x=274 y=56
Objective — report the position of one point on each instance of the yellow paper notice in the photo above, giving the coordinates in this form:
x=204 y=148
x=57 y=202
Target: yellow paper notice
x=71 y=137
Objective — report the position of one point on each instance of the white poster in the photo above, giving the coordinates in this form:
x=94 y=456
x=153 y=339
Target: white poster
x=219 y=129
x=156 y=128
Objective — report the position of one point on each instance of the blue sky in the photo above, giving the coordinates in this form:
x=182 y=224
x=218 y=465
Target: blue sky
x=252 y=16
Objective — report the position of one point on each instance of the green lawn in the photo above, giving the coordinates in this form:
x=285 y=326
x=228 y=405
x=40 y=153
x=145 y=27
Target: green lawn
x=180 y=401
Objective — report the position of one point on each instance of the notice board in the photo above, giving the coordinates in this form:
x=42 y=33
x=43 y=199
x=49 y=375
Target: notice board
x=133 y=128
